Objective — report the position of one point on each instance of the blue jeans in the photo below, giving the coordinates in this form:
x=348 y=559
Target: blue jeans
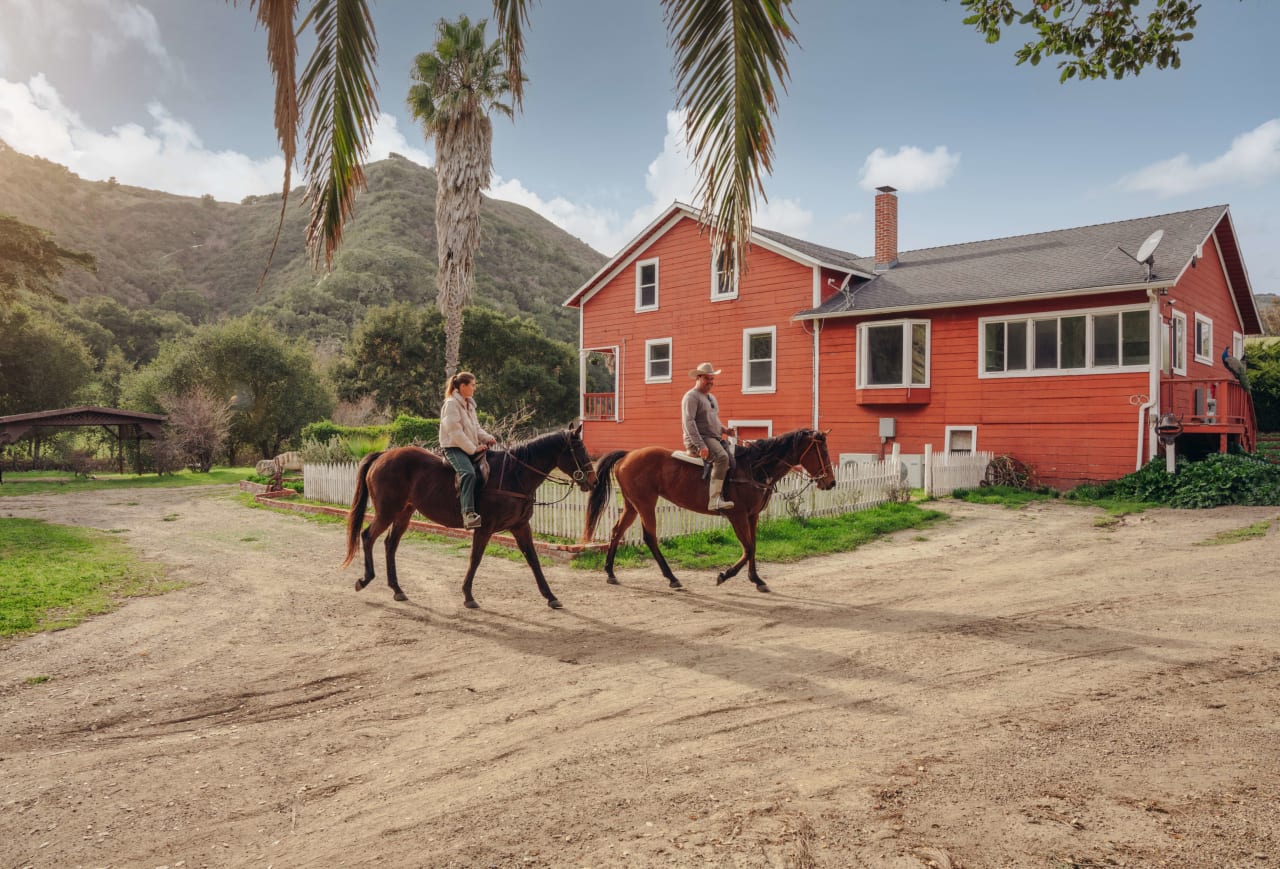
x=466 y=477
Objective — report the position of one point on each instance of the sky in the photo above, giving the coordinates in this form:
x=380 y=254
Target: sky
x=177 y=95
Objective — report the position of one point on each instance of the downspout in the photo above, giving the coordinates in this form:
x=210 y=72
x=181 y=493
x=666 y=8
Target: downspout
x=1153 y=377
x=817 y=334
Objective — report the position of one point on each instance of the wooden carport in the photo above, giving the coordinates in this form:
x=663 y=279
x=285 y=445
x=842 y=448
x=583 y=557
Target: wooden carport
x=121 y=424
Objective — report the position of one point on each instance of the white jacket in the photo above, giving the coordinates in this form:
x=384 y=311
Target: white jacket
x=460 y=426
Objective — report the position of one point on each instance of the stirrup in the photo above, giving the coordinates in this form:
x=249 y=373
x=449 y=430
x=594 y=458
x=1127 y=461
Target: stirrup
x=471 y=520
x=718 y=503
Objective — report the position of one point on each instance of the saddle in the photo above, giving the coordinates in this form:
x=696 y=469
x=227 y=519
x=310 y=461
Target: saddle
x=481 y=463
x=694 y=459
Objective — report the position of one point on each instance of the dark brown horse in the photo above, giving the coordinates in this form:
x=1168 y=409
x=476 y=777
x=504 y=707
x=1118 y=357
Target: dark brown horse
x=646 y=474
x=403 y=479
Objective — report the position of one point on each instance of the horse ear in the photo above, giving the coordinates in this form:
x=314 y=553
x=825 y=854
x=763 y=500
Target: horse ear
x=577 y=432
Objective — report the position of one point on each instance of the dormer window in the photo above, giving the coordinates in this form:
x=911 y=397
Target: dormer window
x=724 y=274
x=647 y=285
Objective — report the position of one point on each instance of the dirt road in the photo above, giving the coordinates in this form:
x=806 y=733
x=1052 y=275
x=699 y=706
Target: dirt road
x=1012 y=688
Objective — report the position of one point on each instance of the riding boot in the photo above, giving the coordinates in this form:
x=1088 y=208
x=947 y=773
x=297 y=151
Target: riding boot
x=717 y=502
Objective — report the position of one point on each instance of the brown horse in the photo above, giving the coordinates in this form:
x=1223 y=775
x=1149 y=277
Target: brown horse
x=403 y=479
x=646 y=474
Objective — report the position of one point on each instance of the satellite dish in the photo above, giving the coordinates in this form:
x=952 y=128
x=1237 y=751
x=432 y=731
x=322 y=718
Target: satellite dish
x=1146 y=253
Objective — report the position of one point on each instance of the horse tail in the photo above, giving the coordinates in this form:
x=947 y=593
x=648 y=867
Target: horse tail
x=600 y=492
x=355 y=517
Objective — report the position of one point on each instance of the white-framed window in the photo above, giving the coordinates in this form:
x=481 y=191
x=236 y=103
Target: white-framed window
x=1176 y=351
x=647 y=285
x=751 y=429
x=962 y=440
x=1203 y=343
x=1066 y=342
x=724 y=274
x=1237 y=345
x=893 y=353
x=759 y=359
x=657 y=360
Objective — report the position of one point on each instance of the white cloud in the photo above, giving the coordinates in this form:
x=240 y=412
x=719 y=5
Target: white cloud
x=911 y=170
x=167 y=155
x=785 y=216
x=387 y=138
x=1253 y=157
x=119 y=25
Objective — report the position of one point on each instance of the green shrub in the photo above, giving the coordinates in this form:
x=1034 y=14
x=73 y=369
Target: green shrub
x=408 y=430
x=328 y=452
x=1217 y=480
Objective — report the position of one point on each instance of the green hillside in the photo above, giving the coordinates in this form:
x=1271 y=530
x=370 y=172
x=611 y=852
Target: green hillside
x=204 y=258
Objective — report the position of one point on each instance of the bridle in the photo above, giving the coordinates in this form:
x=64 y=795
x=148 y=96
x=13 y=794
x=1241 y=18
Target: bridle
x=824 y=460
x=579 y=473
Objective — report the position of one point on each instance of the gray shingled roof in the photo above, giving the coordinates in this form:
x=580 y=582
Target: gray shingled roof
x=1046 y=263
x=829 y=256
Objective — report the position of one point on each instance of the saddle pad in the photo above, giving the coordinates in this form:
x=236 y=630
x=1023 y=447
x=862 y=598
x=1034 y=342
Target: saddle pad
x=683 y=455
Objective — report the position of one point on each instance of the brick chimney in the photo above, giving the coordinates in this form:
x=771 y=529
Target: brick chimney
x=886 y=228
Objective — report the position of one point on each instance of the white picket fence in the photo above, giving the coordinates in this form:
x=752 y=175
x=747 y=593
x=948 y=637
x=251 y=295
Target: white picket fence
x=558 y=514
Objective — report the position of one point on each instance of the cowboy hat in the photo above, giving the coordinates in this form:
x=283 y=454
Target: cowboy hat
x=705 y=368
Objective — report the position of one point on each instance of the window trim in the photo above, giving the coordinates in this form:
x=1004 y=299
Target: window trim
x=1090 y=367
x=640 y=264
x=1178 y=348
x=717 y=296
x=747 y=334
x=1207 y=356
x=973 y=439
x=648 y=360
x=906 y=325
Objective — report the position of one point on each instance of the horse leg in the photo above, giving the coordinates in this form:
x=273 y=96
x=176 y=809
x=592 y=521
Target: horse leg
x=615 y=537
x=479 y=540
x=524 y=539
x=745 y=528
x=398 y=527
x=368 y=537
x=649 y=521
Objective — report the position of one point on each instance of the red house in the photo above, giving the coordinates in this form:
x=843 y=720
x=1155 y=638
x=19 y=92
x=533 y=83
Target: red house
x=1070 y=350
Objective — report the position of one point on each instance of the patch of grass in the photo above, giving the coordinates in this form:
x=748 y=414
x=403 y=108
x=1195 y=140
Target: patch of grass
x=27 y=482
x=1010 y=496
x=55 y=576
x=1237 y=535
x=36 y=680
x=781 y=540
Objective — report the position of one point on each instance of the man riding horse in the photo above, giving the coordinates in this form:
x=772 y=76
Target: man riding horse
x=703 y=433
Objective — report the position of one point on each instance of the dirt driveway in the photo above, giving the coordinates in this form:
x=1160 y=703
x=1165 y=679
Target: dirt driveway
x=1012 y=688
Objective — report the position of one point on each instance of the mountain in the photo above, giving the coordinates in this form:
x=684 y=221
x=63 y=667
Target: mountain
x=204 y=258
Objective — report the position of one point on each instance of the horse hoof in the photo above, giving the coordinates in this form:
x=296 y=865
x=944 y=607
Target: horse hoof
x=472 y=605
x=721 y=579
x=555 y=604
x=762 y=588
x=613 y=580
x=675 y=584
x=360 y=584
x=401 y=596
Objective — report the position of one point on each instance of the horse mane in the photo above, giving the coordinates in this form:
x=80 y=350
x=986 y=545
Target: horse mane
x=770 y=448
x=529 y=448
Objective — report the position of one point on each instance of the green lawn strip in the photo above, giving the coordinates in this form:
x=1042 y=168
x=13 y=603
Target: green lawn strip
x=55 y=576
x=1009 y=496
x=37 y=482
x=1237 y=535
x=779 y=540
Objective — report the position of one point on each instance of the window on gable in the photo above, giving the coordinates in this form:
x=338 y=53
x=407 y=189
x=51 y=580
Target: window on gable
x=893 y=354
x=724 y=274
x=1078 y=341
x=759 y=362
x=1178 y=343
x=647 y=285
x=657 y=361
x=1204 y=339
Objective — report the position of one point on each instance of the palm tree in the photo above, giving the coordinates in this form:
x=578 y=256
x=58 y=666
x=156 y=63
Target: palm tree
x=455 y=88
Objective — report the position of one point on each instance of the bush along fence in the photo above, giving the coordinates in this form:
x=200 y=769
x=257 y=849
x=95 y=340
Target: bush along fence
x=557 y=514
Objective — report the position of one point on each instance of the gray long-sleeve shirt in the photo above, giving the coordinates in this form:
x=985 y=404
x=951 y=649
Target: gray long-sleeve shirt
x=701 y=418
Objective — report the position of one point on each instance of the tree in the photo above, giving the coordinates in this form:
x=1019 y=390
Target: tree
x=1263 y=358
x=31 y=260
x=1270 y=312
x=455 y=88
x=395 y=358
x=268 y=380
x=1097 y=37
x=199 y=425
x=42 y=365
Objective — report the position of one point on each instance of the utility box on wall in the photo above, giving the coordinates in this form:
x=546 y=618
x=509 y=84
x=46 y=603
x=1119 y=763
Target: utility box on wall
x=888 y=427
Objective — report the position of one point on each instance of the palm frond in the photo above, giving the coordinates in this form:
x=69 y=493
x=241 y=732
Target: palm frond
x=728 y=56
x=276 y=18
x=338 y=87
x=513 y=17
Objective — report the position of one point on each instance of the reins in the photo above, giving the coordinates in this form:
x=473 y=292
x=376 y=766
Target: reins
x=578 y=475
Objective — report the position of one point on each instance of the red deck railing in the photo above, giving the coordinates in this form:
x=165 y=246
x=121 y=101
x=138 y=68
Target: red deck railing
x=1211 y=406
x=599 y=405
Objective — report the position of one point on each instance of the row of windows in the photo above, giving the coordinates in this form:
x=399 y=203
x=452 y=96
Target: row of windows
x=896 y=354
x=724 y=280
x=759 y=360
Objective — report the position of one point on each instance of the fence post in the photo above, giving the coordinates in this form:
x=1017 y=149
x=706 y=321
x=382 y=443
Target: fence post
x=928 y=470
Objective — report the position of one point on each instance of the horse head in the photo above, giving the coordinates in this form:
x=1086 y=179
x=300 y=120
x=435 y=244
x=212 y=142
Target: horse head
x=815 y=459
x=575 y=462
